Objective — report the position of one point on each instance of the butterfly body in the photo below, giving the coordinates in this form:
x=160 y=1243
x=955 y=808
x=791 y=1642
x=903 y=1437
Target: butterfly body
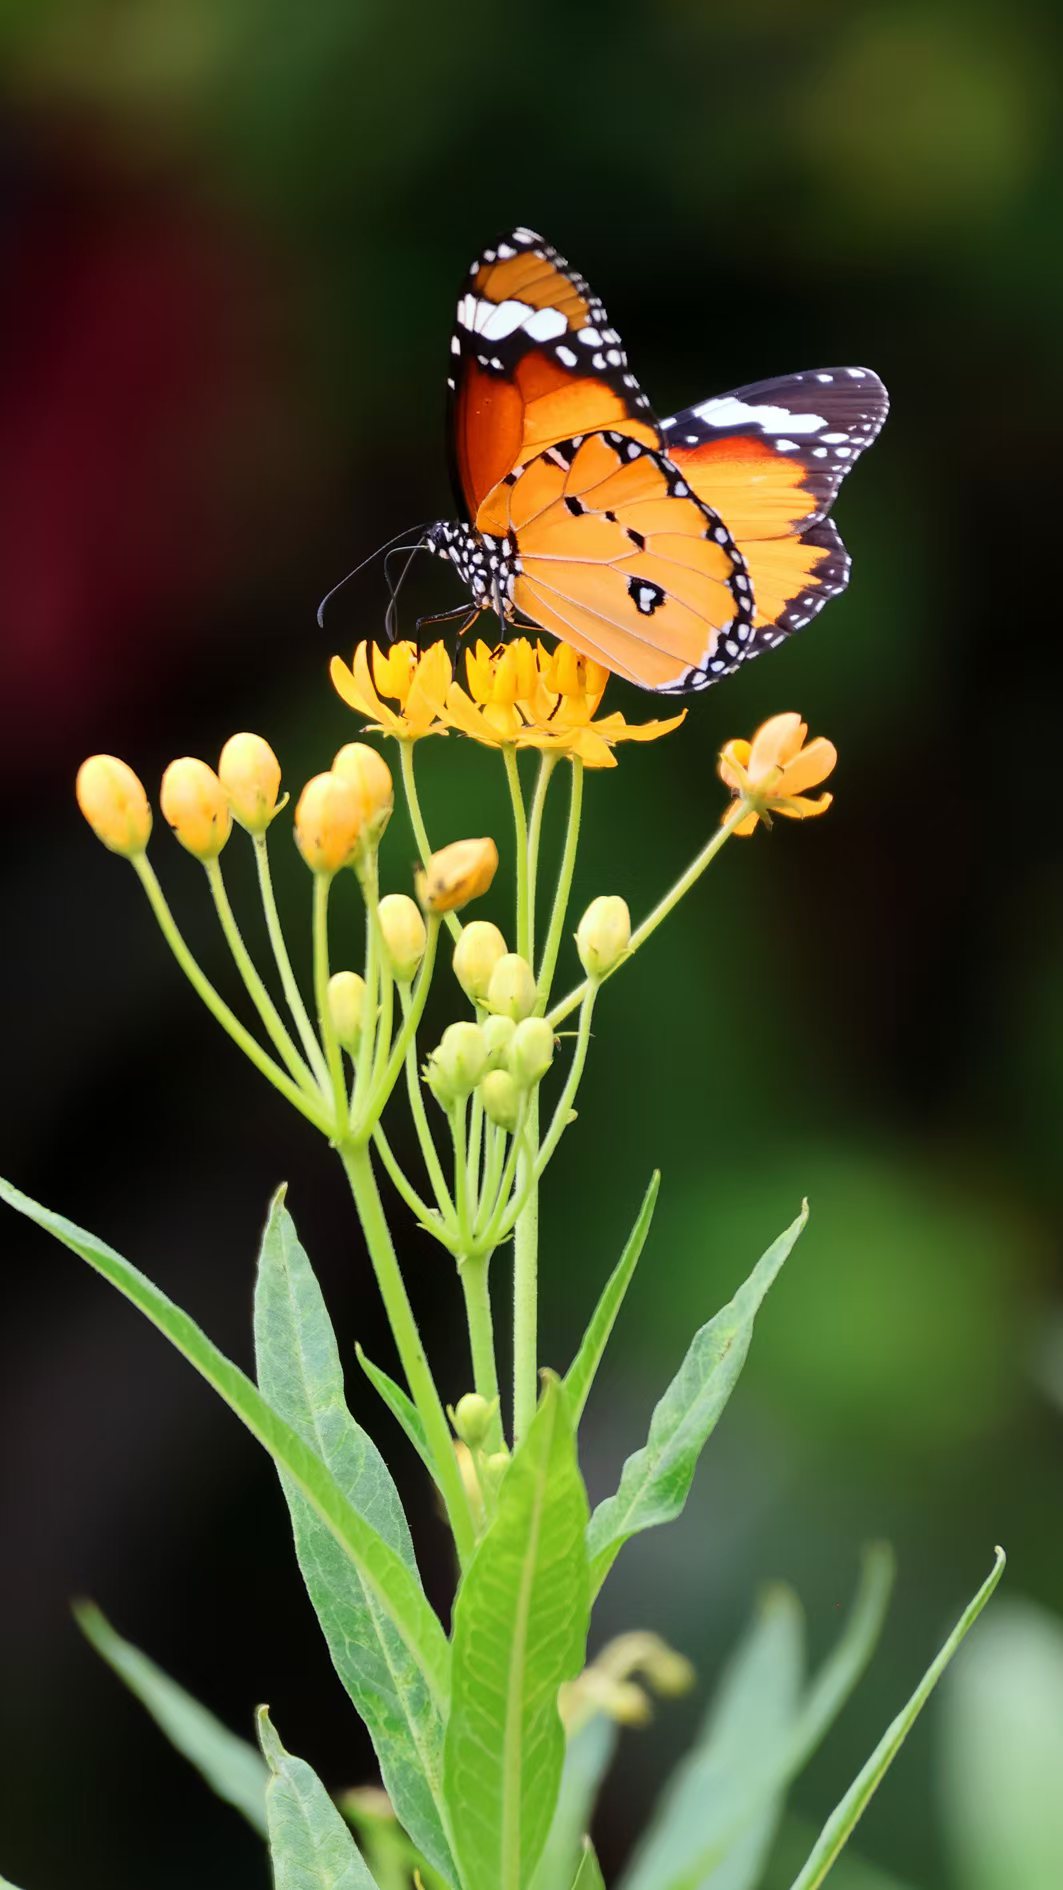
x=669 y=551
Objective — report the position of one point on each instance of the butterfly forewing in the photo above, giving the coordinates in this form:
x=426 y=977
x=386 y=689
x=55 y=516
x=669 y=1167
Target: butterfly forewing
x=534 y=362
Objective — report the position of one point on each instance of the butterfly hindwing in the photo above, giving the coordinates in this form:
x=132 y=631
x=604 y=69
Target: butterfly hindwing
x=619 y=557
x=534 y=361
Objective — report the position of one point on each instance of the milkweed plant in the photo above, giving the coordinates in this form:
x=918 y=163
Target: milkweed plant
x=492 y=1739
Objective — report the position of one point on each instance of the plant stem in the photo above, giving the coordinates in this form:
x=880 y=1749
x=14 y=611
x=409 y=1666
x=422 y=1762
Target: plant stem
x=283 y=962
x=256 y=990
x=560 y=1117
x=526 y=1280
x=547 y=764
x=661 y=910
x=333 y=1054
x=428 y=1217
x=476 y=1288
x=420 y=831
x=456 y=1116
x=424 y=1132
x=520 y=829
x=312 y=1108
x=359 y=1169
x=564 y=887
x=413 y=1009
x=368 y=881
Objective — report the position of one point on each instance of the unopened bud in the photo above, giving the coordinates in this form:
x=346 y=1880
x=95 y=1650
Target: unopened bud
x=603 y=935
x=328 y=822
x=251 y=776
x=472 y=1419
x=531 y=1051
x=461 y=1058
x=493 y=1467
x=346 y=1006
x=498 y=1036
x=670 y=1674
x=197 y=807
x=627 y=1704
x=403 y=930
x=501 y=1099
x=114 y=803
x=370 y=777
x=476 y=954
x=457 y=874
x=511 y=992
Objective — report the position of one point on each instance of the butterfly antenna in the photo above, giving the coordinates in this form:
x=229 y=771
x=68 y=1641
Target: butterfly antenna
x=392 y=544
x=391 y=621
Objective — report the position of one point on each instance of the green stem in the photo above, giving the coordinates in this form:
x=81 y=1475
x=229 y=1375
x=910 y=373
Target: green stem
x=547 y=764
x=311 y=1108
x=427 y=1216
x=383 y=1036
x=559 y=1121
x=359 y=1169
x=494 y=1157
x=526 y=1279
x=661 y=909
x=564 y=887
x=456 y=1117
x=420 y=831
x=476 y=1289
x=333 y=1054
x=421 y=1123
x=283 y=962
x=256 y=990
x=368 y=881
x=491 y=1236
x=520 y=828
x=413 y=1010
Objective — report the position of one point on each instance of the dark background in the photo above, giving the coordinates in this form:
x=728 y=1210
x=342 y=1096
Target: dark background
x=232 y=234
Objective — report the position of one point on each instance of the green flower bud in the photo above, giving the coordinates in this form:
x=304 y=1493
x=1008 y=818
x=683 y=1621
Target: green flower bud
x=346 y=1005
x=511 y=991
x=403 y=929
x=438 y=1083
x=501 y=1099
x=461 y=1058
x=498 y=1035
x=472 y=1419
x=531 y=1051
x=493 y=1468
x=603 y=935
x=476 y=954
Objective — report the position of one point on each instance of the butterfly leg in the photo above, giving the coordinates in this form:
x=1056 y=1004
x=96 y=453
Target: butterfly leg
x=446 y=616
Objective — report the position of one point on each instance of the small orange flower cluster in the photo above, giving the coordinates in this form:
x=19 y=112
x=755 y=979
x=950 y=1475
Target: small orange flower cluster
x=771 y=773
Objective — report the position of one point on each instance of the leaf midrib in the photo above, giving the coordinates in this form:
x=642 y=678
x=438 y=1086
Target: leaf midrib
x=512 y=1740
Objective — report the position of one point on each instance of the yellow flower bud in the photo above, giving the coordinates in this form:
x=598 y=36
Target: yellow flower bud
x=251 y=776
x=403 y=929
x=456 y=874
x=197 y=807
x=627 y=1704
x=461 y=1058
x=531 y=1051
x=472 y=1419
x=501 y=1099
x=346 y=1005
x=476 y=954
x=328 y=822
x=498 y=1035
x=603 y=935
x=511 y=991
x=370 y=776
x=114 y=803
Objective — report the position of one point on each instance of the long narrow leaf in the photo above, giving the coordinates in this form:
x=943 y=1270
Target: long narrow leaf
x=403 y=1410
x=581 y=1372
x=520 y=1631
x=400 y=1595
x=310 y=1846
x=231 y=1766
x=655 y=1482
x=299 y=1371
x=587 y=1758
x=589 y=1875
x=846 y=1815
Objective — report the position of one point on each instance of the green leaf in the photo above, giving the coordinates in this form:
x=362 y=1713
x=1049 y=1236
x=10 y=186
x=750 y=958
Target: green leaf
x=310 y=1847
x=846 y=1815
x=520 y=1630
x=5 y=1885
x=655 y=1482
x=738 y=1755
x=718 y=1828
x=587 y=1758
x=403 y=1409
x=1002 y=1753
x=581 y=1372
x=386 y=1574
x=231 y=1766
x=589 y=1875
x=299 y=1372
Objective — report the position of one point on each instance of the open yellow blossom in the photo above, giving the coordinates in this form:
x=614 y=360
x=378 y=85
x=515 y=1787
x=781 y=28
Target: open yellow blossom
x=414 y=679
x=774 y=770
x=528 y=696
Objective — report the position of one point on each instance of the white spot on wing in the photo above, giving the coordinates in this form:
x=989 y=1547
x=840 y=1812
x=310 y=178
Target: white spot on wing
x=727 y=412
x=545 y=324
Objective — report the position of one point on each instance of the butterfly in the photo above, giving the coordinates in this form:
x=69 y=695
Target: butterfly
x=670 y=551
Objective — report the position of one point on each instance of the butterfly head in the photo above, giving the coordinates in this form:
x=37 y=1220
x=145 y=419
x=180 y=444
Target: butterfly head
x=487 y=566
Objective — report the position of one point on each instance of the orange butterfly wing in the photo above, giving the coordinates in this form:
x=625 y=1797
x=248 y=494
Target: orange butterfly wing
x=533 y=362
x=618 y=557
x=770 y=459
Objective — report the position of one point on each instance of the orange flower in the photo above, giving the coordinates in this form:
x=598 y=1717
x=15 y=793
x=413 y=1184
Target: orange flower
x=527 y=696
x=417 y=680
x=772 y=772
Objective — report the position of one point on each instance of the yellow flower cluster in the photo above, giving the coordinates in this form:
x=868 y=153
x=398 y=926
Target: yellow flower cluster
x=773 y=771
x=519 y=695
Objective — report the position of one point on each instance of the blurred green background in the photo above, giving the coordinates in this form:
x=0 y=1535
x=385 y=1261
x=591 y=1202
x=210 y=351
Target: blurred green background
x=233 y=233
